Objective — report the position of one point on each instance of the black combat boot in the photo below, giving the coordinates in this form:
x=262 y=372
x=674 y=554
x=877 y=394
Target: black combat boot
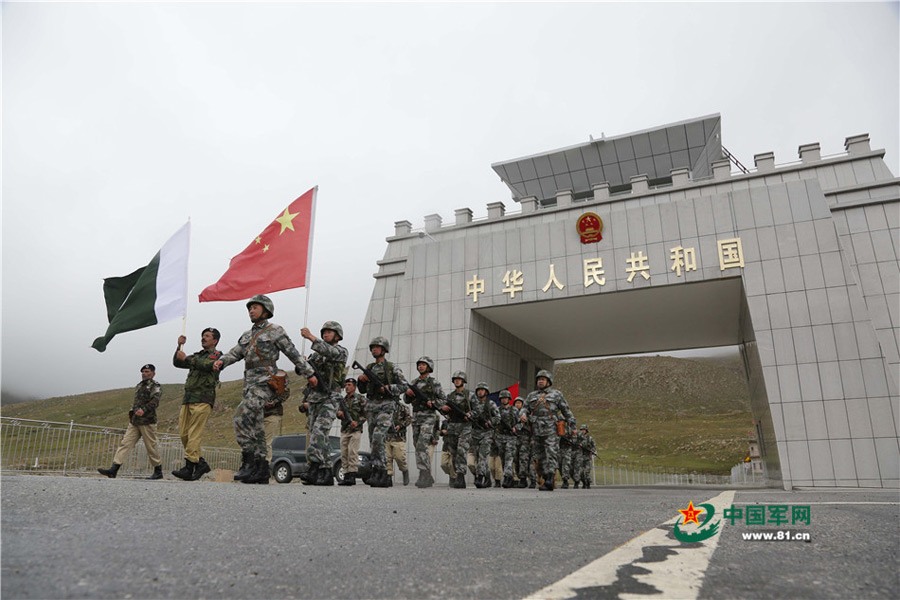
x=565 y=484
x=532 y=484
x=201 y=468
x=388 y=481
x=246 y=466
x=326 y=477
x=405 y=477
x=349 y=479
x=479 y=481
x=575 y=486
x=157 y=473
x=421 y=480
x=548 y=483
x=496 y=483
x=110 y=472
x=523 y=483
x=460 y=482
x=374 y=476
x=186 y=471
x=507 y=481
x=311 y=475
x=587 y=485
x=429 y=480
x=260 y=472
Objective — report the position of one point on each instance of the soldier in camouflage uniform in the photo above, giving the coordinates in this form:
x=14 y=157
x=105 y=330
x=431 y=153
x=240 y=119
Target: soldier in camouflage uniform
x=485 y=417
x=425 y=419
x=568 y=456
x=446 y=456
x=259 y=348
x=545 y=407
x=505 y=436
x=578 y=457
x=141 y=424
x=329 y=359
x=588 y=449
x=381 y=396
x=524 y=447
x=459 y=429
x=199 y=397
x=352 y=413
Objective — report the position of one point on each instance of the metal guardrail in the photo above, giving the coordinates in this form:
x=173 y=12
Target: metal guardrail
x=28 y=446
x=634 y=475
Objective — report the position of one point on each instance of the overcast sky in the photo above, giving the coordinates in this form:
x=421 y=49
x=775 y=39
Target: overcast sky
x=121 y=121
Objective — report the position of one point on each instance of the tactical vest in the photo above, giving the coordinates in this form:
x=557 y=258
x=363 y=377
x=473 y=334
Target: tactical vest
x=333 y=372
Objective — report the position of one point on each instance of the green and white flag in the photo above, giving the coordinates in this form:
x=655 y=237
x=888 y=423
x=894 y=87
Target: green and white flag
x=152 y=294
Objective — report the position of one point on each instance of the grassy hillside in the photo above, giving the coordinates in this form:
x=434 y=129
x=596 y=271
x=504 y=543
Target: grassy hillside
x=651 y=411
x=662 y=411
x=110 y=409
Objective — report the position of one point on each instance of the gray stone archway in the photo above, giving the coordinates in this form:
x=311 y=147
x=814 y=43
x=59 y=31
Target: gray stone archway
x=798 y=265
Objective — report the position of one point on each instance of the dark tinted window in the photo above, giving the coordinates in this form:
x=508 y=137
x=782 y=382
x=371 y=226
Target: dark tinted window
x=334 y=442
x=291 y=442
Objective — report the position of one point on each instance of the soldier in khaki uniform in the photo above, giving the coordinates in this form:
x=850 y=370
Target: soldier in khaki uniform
x=352 y=413
x=199 y=398
x=142 y=424
x=395 y=443
x=259 y=348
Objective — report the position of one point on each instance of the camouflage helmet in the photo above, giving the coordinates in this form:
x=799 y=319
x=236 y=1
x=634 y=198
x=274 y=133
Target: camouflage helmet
x=585 y=427
x=519 y=399
x=335 y=327
x=380 y=341
x=505 y=394
x=428 y=362
x=263 y=301
x=544 y=373
x=483 y=386
x=460 y=375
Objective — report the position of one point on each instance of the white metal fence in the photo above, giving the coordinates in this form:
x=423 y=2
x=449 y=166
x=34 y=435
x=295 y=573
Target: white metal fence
x=28 y=446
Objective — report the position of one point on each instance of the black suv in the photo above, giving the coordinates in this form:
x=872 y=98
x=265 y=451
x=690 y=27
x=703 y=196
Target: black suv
x=289 y=458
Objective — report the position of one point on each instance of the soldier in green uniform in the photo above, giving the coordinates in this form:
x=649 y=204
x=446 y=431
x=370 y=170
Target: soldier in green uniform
x=141 y=424
x=259 y=348
x=329 y=359
x=505 y=437
x=459 y=429
x=381 y=397
x=546 y=407
x=524 y=447
x=425 y=419
x=199 y=398
x=352 y=413
x=568 y=456
x=484 y=419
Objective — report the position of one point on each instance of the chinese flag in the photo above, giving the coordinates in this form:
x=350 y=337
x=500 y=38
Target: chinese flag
x=276 y=259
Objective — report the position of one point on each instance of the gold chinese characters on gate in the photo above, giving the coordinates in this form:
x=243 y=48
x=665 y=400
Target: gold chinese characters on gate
x=682 y=260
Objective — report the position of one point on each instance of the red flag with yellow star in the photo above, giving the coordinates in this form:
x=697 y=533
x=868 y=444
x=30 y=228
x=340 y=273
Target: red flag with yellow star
x=276 y=259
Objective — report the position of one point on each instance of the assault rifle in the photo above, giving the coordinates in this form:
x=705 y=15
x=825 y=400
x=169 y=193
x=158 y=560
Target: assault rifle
x=372 y=377
x=421 y=397
x=456 y=408
x=320 y=383
x=347 y=418
x=581 y=447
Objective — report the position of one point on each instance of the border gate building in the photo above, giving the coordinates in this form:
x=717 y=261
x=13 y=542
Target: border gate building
x=651 y=242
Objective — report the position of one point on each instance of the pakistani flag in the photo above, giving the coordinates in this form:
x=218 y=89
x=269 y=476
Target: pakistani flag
x=152 y=294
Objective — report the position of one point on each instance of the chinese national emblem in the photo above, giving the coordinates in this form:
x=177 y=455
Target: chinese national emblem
x=590 y=227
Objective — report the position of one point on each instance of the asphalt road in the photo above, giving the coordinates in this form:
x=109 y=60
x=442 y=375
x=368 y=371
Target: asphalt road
x=83 y=537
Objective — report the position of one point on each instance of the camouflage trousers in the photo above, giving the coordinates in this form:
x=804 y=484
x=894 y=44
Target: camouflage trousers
x=423 y=436
x=507 y=445
x=321 y=415
x=566 y=453
x=380 y=416
x=587 y=464
x=546 y=451
x=457 y=440
x=481 y=448
x=249 y=429
x=525 y=455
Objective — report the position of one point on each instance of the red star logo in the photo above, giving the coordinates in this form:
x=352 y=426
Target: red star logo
x=691 y=514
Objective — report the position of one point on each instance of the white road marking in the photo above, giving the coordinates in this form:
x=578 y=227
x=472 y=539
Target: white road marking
x=679 y=575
